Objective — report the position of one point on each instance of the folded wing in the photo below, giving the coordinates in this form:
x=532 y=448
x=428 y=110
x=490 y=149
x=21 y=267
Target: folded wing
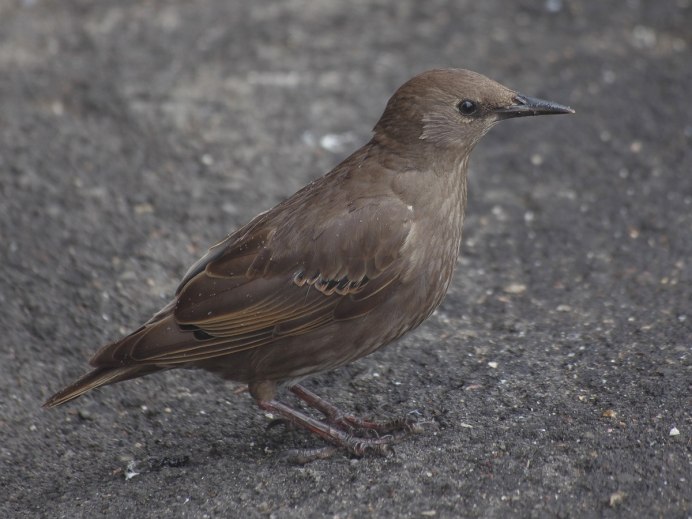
x=265 y=282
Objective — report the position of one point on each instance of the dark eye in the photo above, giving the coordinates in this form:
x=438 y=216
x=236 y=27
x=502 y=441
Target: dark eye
x=467 y=107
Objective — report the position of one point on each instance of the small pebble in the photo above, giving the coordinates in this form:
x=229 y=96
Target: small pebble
x=515 y=288
x=207 y=159
x=616 y=498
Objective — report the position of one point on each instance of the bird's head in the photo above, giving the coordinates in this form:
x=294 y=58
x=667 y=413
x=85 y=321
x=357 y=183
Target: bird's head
x=454 y=108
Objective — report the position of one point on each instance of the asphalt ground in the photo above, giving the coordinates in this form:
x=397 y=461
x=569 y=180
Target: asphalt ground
x=556 y=376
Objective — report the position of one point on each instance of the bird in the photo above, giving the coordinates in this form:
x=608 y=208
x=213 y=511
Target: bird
x=346 y=265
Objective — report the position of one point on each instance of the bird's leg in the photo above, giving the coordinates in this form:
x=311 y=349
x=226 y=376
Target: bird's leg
x=329 y=433
x=335 y=416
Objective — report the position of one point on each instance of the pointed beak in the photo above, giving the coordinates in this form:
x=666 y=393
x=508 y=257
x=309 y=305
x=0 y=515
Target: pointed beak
x=524 y=105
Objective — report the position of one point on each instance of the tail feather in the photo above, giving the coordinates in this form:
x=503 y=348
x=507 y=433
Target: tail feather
x=97 y=378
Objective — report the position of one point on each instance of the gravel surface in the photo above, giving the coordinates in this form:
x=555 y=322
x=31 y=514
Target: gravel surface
x=557 y=374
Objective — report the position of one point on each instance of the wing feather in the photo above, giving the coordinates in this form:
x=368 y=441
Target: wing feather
x=263 y=283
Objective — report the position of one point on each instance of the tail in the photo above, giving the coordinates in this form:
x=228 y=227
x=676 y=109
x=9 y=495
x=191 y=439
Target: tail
x=106 y=374
x=97 y=378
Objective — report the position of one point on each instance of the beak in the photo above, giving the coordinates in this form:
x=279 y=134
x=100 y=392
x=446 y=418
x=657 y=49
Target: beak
x=524 y=105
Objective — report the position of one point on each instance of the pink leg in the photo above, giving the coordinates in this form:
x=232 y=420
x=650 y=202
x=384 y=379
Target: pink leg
x=342 y=420
x=329 y=433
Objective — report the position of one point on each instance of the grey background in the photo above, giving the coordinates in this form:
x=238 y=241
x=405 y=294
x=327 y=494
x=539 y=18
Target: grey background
x=134 y=134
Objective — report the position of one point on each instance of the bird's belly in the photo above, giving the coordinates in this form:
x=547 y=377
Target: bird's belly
x=342 y=341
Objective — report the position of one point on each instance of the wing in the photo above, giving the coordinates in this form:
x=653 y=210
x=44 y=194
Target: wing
x=275 y=277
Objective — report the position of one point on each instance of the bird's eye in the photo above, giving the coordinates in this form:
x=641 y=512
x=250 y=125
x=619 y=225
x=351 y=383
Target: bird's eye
x=467 y=107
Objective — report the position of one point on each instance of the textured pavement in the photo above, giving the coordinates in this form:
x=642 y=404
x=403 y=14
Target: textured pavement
x=557 y=374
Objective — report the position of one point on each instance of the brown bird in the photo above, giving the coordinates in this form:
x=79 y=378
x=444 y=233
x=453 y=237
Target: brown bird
x=349 y=263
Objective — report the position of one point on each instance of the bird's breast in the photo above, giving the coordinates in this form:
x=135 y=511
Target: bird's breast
x=432 y=246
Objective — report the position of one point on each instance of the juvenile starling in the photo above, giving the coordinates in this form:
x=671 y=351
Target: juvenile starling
x=349 y=263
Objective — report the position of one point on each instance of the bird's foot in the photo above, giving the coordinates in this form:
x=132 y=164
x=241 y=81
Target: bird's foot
x=403 y=425
x=343 y=431
x=334 y=416
x=357 y=447
x=331 y=433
